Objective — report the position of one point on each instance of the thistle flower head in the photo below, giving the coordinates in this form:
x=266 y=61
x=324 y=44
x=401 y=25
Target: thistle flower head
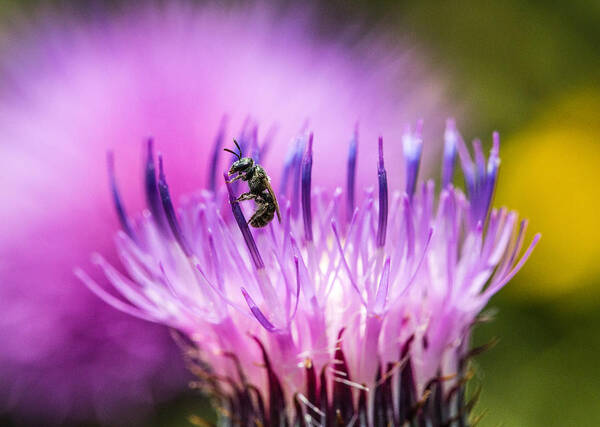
x=77 y=81
x=351 y=309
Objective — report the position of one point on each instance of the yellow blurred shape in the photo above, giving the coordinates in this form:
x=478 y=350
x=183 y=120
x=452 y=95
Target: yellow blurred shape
x=198 y=421
x=550 y=173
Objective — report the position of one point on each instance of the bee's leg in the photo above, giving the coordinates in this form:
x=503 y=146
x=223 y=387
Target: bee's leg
x=246 y=196
x=240 y=176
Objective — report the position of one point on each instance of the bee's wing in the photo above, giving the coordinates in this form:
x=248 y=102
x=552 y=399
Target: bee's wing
x=272 y=193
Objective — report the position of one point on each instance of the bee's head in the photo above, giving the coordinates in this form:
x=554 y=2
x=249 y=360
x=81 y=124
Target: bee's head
x=242 y=165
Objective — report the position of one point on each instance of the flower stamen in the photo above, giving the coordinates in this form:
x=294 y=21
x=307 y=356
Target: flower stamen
x=169 y=211
x=412 y=146
x=243 y=225
x=383 y=198
x=351 y=176
x=119 y=206
x=306 y=190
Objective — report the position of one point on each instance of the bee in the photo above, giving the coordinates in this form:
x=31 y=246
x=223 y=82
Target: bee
x=260 y=188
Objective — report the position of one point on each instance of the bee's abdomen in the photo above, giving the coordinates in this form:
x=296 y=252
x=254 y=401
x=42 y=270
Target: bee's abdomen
x=263 y=215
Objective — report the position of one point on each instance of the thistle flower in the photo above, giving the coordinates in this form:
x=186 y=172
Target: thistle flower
x=74 y=86
x=348 y=311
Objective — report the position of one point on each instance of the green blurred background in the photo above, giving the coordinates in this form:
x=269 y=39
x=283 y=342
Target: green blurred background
x=530 y=69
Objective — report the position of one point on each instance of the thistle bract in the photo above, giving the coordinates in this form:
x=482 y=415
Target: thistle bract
x=355 y=309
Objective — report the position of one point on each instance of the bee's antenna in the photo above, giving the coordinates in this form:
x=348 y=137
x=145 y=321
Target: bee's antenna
x=232 y=152
x=238 y=146
x=238 y=155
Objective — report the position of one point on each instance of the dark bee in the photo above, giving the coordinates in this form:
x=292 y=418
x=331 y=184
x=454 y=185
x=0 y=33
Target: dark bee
x=259 y=186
